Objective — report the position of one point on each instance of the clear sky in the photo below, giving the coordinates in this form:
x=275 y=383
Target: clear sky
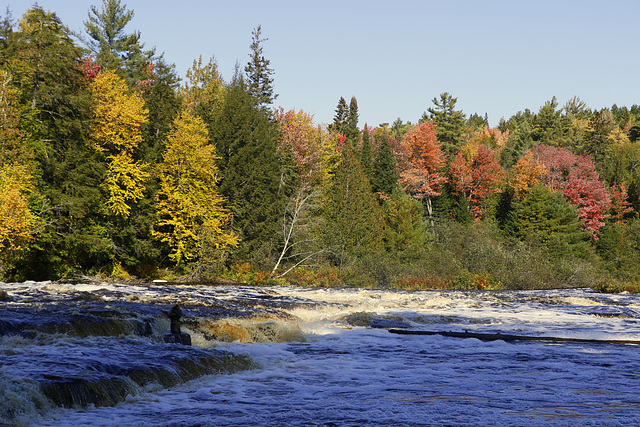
x=496 y=56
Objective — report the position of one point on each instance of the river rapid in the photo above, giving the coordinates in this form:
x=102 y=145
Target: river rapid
x=93 y=354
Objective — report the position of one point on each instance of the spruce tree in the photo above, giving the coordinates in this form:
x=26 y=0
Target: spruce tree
x=365 y=152
x=259 y=75
x=352 y=217
x=43 y=62
x=245 y=138
x=340 y=119
x=385 y=176
x=351 y=124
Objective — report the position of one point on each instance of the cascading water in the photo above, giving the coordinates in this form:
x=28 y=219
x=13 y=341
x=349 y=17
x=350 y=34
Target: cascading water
x=93 y=355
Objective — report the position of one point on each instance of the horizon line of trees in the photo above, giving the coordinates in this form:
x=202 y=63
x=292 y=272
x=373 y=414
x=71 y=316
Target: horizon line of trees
x=109 y=165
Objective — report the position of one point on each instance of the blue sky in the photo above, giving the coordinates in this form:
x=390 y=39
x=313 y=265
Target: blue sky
x=496 y=56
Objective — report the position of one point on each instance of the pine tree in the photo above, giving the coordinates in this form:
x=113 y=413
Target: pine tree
x=113 y=47
x=259 y=75
x=449 y=121
x=545 y=216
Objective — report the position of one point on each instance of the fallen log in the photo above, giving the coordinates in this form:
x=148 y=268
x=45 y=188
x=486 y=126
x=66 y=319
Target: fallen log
x=487 y=336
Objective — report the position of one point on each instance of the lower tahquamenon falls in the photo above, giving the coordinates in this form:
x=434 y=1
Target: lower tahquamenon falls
x=93 y=354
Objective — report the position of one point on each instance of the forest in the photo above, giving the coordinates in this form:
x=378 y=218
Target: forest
x=112 y=166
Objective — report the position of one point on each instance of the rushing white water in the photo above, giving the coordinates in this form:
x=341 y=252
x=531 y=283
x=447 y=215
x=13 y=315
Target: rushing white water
x=334 y=363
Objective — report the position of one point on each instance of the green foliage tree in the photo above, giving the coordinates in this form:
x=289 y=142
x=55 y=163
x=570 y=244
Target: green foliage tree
x=399 y=128
x=55 y=100
x=449 y=121
x=384 y=179
x=550 y=126
x=351 y=123
x=17 y=219
x=545 y=216
x=340 y=119
x=520 y=127
x=245 y=139
x=352 y=216
x=113 y=47
x=365 y=152
x=162 y=102
x=619 y=248
x=259 y=75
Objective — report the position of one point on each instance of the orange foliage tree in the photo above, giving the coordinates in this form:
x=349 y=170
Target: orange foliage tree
x=422 y=174
x=526 y=174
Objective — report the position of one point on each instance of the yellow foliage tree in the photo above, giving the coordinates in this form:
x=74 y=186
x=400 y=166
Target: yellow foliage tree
x=191 y=216
x=118 y=115
x=204 y=88
x=526 y=174
x=17 y=221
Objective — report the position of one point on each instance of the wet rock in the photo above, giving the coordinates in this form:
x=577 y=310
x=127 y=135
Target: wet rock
x=176 y=336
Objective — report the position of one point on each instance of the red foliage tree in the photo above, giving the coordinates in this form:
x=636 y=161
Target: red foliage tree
x=422 y=174
x=576 y=177
x=477 y=179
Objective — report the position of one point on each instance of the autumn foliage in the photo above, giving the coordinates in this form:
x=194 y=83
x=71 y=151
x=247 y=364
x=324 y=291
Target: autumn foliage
x=118 y=115
x=114 y=160
x=189 y=205
x=476 y=179
x=576 y=177
x=422 y=175
x=526 y=174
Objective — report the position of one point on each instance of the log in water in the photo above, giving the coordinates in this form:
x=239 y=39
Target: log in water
x=488 y=336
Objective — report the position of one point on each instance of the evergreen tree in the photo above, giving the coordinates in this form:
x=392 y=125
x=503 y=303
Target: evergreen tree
x=550 y=126
x=43 y=61
x=340 y=119
x=365 y=152
x=449 y=121
x=385 y=175
x=245 y=139
x=547 y=217
x=352 y=217
x=520 y=140
x=259 y=75
x=399 y=129
x=351 y=124
x=163 y=104
x=113 y=47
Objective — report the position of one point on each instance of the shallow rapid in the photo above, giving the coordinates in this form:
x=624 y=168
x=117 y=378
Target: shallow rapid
x=301 y=357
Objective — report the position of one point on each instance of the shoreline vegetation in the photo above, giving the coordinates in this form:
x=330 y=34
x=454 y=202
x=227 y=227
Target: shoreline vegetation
x=112 y=166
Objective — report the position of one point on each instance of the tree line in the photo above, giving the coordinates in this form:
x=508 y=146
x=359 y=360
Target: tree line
x=111 y=165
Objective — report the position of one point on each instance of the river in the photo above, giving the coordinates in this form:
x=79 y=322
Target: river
x=287 y=356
